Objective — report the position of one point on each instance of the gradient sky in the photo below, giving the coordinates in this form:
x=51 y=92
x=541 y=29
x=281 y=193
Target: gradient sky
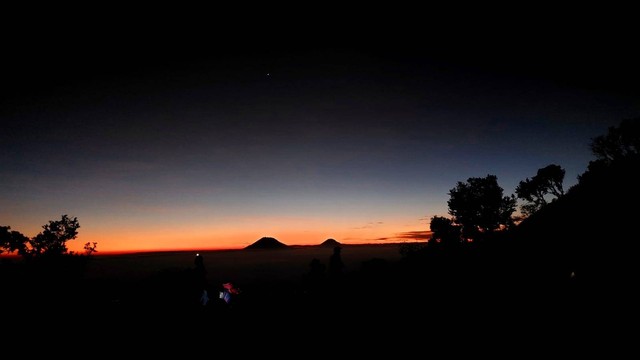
x=163 y=147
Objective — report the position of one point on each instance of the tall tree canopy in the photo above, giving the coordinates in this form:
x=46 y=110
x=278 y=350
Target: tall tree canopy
x=548 y=181
x=53 y=240
x=480 y=206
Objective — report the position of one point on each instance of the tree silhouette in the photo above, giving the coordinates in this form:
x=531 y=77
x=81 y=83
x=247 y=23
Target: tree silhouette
x=480 y=207
x=619 y=148
x=53 y=240
x=620 y=142
x=548 y=181
x=12 y=241
x=445 y=232
x=50 y=242
x=90 y=248
x=592 y=228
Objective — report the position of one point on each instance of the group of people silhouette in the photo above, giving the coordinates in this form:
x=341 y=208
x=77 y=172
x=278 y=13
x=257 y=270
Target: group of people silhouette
x=225 y=293
x=318 y=274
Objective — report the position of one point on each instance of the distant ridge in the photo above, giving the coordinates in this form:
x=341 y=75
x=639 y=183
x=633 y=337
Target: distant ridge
x=267 y=243
x=330 y=243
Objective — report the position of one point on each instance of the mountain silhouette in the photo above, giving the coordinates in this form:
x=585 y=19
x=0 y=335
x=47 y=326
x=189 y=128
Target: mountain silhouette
x=330 y=243
x=267 y=243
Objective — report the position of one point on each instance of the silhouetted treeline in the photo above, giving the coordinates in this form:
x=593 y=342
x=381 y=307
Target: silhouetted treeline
x=574 y=251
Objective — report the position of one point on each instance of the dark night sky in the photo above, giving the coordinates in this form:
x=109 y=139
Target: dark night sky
x=163 y=142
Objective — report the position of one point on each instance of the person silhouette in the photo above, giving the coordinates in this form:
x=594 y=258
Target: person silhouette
x=204 y=298
x=335 y=263
x=316 y=275
x=317 y=270
x=199 y=264
x=200 y=277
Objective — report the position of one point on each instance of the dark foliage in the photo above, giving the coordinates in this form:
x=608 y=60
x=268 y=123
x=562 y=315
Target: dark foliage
x=12 y=241
x=479 y=206
x=548 y=181
x=445 y=232
x=588 y=233
x=52 y=241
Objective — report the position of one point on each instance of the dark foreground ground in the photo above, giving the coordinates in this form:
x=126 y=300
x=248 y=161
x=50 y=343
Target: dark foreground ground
x=379 y=297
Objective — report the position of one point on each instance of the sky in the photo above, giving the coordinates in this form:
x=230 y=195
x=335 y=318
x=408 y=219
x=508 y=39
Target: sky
x=170 y=146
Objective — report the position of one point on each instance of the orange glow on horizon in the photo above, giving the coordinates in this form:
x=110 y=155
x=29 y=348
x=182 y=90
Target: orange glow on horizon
x=296 y=232
x=126 y=235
